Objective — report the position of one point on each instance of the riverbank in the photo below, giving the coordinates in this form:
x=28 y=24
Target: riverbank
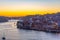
x=48 y=22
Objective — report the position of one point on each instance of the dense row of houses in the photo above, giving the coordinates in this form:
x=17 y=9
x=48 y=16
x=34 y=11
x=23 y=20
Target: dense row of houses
x=46 y=22
x=3 y=19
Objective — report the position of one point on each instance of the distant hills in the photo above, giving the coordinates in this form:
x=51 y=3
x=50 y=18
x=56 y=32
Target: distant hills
x=3 y=19
x=54 y=16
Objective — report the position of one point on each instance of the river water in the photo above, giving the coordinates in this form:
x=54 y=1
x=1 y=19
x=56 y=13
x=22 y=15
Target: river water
x=10 y=31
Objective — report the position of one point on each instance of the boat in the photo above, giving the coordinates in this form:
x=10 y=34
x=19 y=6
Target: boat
x=3 y=38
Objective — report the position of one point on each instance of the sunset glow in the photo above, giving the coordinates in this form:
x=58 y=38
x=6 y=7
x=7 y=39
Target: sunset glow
x=28 y=7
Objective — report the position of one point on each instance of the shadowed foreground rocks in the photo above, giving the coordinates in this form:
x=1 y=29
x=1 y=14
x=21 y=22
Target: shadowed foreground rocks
x=48 y=22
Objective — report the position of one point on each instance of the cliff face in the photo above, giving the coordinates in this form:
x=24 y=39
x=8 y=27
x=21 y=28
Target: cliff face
x=3 y=19
x=48 y=22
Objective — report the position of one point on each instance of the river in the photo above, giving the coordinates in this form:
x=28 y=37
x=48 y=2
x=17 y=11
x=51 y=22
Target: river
x=10 y=31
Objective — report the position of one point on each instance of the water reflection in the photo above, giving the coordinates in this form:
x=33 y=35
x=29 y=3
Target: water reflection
x=12 y=33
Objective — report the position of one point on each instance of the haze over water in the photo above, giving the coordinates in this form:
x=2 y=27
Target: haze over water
x=10 y=31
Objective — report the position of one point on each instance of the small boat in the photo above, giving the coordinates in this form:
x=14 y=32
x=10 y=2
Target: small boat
x=3 y=38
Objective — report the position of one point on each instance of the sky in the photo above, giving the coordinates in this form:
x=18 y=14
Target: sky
x=28 y=7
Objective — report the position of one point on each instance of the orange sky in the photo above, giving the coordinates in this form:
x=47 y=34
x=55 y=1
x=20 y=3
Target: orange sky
x=23 y=8
x=24 y=13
